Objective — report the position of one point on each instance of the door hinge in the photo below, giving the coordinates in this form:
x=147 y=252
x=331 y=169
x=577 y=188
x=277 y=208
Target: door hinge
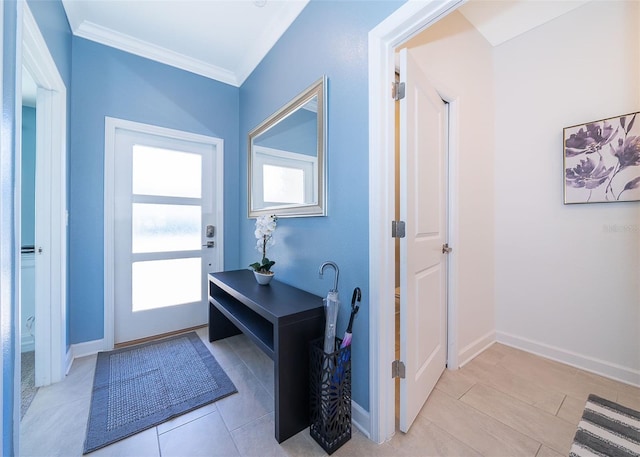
x=397 y=91
x=397 y=369
x=446 y=249
x=398 y=229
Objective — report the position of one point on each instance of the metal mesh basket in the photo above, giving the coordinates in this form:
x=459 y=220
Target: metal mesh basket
x=330 y=395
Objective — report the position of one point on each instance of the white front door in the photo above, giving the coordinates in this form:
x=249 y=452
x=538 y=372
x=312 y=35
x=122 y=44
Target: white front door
x=423 y=271
x=166 y=233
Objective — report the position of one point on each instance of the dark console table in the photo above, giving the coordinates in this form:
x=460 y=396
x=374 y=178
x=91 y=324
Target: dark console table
x=280 y=320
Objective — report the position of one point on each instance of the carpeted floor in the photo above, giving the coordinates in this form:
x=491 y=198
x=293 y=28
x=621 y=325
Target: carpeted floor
x=28 y=389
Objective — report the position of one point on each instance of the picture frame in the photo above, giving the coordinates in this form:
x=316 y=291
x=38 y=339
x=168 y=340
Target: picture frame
x=602 y=160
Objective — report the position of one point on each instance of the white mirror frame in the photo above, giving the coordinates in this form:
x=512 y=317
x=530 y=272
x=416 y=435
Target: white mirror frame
x=318 y=207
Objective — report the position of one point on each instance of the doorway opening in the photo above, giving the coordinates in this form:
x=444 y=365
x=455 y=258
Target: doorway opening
x=384 y=40
x=50 y=206
x=28 y=388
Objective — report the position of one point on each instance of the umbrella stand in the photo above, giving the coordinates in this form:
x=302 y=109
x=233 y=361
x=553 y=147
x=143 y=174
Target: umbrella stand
x=330 y=395
x=330 y=379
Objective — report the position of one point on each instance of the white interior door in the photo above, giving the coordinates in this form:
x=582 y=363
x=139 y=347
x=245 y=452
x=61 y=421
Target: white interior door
x=423 y=206
x=165 y=233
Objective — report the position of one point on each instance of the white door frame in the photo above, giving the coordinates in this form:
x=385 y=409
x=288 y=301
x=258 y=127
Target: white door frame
x=410 y=19
x=51 y=204
x=111 y=124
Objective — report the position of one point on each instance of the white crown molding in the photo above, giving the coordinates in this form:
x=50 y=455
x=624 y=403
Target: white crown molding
x=127 y=43
x=264 y=37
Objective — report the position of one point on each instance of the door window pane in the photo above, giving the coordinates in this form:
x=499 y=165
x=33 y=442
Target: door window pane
x=165 y=172
x=161 y=283
x=165 y=228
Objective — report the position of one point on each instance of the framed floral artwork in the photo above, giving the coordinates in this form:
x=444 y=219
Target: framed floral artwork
x=602 y=161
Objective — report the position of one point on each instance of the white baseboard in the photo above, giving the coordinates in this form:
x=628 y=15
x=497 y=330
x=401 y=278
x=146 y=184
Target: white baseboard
x=361 y=419
x=601 y=367
x=84 y=349
x=68 y=360
x=470 y=351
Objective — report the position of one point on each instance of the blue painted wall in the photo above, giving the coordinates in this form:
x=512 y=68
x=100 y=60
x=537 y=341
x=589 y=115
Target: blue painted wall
x=28 y=185
x=330 y=38
x=8 y=155
x=109 y=82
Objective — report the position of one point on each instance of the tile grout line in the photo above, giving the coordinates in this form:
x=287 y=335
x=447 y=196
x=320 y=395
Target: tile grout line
x=435 y=425
x=158 y=442
x=538 y=451
x=526 y=405
x=187 y=422
x=495 y=418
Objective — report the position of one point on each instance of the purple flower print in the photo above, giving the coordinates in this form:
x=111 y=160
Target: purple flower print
x=587 y=175
x=628 y=152
x=592 y=140
x=587 y=143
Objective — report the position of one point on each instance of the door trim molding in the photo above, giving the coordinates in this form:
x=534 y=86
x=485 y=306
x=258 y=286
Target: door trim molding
x=51 y=203
x=405 y=22
x=111 y=125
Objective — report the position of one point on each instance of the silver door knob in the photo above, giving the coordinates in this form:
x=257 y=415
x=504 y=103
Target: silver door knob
x=209 y=244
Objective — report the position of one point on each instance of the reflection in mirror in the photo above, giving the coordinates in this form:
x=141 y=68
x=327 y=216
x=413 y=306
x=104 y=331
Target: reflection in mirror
x=286 y=158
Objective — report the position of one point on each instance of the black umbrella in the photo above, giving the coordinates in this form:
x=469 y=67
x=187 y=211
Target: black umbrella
x=357 y=295
x=345 y=355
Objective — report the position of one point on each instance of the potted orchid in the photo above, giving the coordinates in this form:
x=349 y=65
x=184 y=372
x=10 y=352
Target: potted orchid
x=265 y=226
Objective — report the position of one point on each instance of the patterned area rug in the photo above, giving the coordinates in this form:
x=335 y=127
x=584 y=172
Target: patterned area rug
x=607 y=429
x=141 y=386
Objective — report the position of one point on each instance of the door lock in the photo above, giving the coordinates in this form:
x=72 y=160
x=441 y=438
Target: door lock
x=210 y=230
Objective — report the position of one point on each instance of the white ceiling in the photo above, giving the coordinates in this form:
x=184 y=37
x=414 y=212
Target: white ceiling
x=226 y=39
x=499 y=21
x=220 y=39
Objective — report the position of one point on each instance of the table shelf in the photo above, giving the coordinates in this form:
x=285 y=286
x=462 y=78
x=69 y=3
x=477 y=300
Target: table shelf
x=258 y=329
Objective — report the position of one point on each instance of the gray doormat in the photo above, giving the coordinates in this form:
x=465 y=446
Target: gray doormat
x=607 y=429
x=141 y=386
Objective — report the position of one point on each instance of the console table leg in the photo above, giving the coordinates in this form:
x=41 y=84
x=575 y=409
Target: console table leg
x=219 y=326
x=291 y=366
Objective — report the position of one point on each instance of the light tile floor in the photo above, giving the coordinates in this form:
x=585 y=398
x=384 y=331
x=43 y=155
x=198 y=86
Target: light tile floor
x=504 y=403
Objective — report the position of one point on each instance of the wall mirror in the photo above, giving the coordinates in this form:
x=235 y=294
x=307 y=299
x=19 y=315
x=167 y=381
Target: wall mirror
x=287 y=152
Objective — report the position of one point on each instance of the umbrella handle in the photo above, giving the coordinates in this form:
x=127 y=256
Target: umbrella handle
x=357 y=294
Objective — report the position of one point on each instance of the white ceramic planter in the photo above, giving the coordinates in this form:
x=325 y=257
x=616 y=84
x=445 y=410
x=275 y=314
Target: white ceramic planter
x=263 y=278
